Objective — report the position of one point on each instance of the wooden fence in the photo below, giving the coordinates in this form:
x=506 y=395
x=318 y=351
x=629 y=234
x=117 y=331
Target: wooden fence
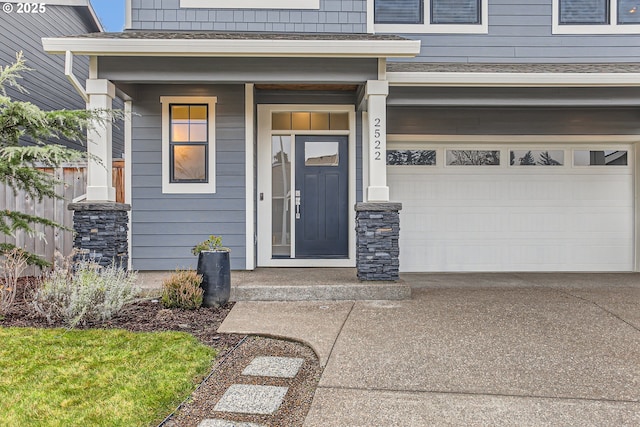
x=73 y=184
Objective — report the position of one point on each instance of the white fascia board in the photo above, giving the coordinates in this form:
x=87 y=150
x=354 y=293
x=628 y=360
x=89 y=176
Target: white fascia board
x=513 y=79
x=246 y=48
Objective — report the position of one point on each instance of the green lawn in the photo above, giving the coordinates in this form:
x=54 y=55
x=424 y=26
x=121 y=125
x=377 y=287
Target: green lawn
x=55 y=377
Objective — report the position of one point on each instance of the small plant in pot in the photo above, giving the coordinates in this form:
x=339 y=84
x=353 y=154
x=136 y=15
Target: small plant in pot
x=214 y=266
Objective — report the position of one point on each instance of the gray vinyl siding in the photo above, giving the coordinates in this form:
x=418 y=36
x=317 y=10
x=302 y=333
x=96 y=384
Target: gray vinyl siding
x=322 y=98
x=166 y=226
x=513 y=121
x=520 y=32
x=47 y=86
x=334 y=16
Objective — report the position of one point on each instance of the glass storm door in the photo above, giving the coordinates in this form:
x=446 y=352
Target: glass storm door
x=320 y=198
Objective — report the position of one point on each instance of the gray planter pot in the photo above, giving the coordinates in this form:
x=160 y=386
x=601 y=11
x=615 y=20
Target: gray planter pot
x=216 y=277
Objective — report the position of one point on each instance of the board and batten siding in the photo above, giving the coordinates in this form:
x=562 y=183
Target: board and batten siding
x=46 y=85
x=334 y=16
x=166 y=226
x=520 y=31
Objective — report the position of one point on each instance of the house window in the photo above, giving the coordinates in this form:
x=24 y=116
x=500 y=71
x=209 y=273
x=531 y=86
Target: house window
x=411 y=157
x=600 y=158
x=596 y=16
x=399 y=11
x=473 y=157
x=188 y=144
x=455 y=11
x=584 y=12
x=536 y=157
x=431 y=16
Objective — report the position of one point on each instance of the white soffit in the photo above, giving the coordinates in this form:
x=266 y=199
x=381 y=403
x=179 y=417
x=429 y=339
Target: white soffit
x=471 y=79
x=232 y=47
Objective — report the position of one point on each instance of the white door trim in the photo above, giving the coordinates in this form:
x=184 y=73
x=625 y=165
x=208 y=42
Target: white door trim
x=264 y=258
x=249 y=124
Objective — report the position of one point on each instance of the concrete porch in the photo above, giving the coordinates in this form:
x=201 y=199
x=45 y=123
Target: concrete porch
x=298 y=284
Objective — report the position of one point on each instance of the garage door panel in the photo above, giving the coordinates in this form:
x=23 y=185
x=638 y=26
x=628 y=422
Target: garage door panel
x=515 y=218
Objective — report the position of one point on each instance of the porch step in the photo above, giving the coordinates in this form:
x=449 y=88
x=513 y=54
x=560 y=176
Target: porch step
x=322 y=292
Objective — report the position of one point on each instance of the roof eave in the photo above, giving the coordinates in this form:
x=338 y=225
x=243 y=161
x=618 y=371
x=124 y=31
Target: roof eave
x=474 y=79
x=233 y=47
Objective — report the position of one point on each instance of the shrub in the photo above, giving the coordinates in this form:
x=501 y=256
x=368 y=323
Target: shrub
x=182 y=290
x=213 y=243
x=12 y=264
x=84 y=292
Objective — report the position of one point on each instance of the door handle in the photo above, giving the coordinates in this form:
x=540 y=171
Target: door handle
x=298 y=204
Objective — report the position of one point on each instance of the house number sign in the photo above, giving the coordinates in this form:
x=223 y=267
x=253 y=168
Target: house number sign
x=377 y=144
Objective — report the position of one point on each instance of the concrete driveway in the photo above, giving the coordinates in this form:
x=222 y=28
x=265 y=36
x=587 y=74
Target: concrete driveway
x=471 y=349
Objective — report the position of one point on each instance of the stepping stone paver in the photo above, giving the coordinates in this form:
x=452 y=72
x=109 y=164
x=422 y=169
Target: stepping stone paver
x=278 y=367
x=251 y=399
x=225 y=423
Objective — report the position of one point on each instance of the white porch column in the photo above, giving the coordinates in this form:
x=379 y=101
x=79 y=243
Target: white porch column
x=376 y=94
x=99 y=174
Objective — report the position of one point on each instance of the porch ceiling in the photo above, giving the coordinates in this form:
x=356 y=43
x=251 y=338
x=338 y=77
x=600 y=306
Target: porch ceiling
x=215 y=44
x=309 y=87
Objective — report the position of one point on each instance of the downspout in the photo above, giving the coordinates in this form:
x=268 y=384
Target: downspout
x=68 y=72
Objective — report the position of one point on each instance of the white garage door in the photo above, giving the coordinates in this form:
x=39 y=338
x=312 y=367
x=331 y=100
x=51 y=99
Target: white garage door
x=513 y=208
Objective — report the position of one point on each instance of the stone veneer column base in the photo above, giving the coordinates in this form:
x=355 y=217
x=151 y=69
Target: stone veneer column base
x=378 y=231
x=101 y=232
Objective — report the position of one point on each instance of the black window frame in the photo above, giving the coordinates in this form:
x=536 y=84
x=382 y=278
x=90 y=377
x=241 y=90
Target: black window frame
x=173 y=144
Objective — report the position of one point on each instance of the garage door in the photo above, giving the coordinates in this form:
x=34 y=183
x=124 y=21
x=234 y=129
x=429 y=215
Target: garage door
x=513 y=208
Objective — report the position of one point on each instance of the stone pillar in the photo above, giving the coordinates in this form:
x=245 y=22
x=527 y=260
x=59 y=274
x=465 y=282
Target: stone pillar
x=378 y=231
x=99 y=181
x=101 y=232
x=376 y=93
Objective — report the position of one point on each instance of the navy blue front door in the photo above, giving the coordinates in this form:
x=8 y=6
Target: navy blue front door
x=321 y=197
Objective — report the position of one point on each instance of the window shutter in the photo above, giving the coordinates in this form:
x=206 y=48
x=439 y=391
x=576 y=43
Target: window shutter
x=398 y=12
x=628 y=11
x=455 y=11
x=584 y=12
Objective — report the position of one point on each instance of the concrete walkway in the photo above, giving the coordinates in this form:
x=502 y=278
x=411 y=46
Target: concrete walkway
x=471 y=349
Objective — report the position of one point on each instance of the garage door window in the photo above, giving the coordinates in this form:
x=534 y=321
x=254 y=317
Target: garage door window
x=473 y=157
x=536 y=157
x=411 y=157
x=600 y=158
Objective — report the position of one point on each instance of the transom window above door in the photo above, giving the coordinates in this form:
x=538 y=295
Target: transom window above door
x=596 y=16
x=306 y=120
x=431 y=16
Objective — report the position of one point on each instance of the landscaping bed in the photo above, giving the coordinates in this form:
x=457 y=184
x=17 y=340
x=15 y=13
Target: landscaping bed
x=148 y=315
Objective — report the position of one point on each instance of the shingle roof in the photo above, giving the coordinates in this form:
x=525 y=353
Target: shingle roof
x=426 y=67
x=212 y=35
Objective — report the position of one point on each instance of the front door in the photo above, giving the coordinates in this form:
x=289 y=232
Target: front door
x=321 y=197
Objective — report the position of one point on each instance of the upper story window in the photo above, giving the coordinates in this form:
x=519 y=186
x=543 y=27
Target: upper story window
x=431 y=16
x=251 y=4
x=596 y=16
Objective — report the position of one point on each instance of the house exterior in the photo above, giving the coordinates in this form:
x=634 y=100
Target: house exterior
x=22 y=27
x=502 y=134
